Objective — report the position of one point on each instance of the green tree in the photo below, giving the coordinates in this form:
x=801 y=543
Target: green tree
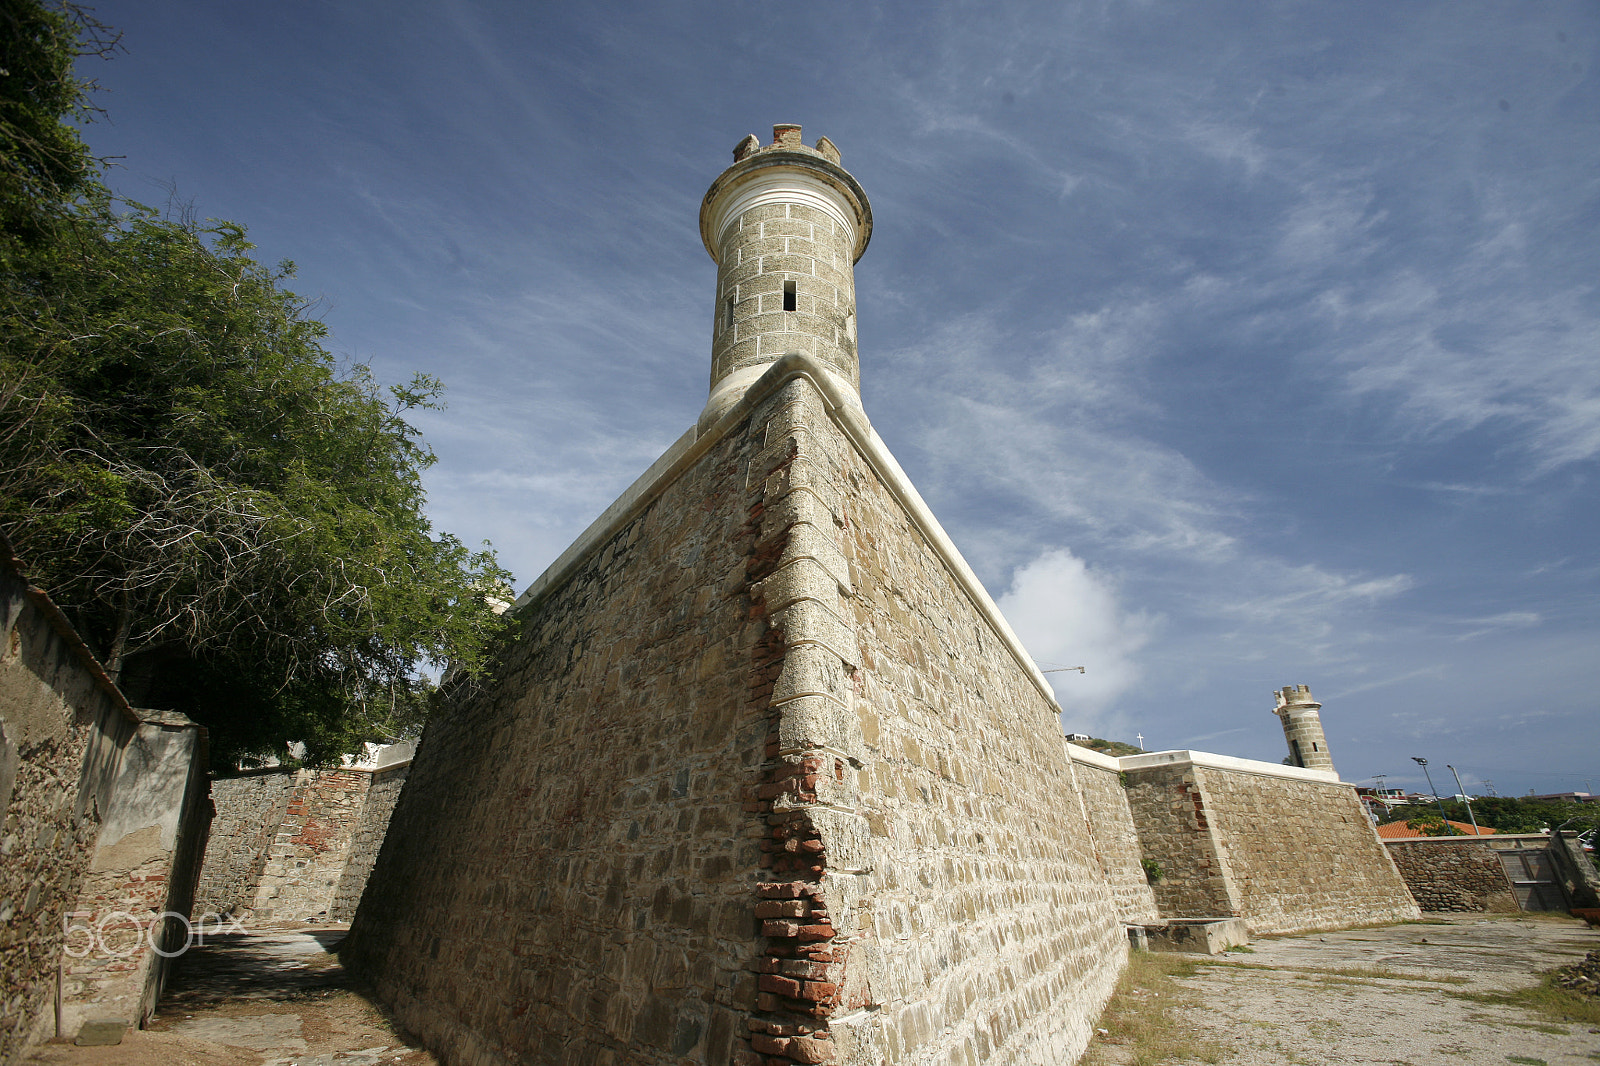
x=44 y=164
x=235 y=523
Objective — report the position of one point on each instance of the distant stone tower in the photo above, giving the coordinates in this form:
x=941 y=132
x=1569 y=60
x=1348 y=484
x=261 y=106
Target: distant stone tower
x=785 y=225
x=1302 y=727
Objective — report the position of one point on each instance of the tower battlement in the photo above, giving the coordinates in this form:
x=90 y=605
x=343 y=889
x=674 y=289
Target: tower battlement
x=1291 y=696
x=785 y=135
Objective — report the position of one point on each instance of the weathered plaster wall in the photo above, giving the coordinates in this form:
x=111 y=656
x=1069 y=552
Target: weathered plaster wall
x=62 y=730
x=376 y=810
x=249 y=810
x=141 y=875
x=1286 y=849
x=1116 y=840
x=1454 y=874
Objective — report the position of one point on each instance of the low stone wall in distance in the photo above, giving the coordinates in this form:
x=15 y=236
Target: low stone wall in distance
x=249 y=809
x=1454 y=874
x=306 y=860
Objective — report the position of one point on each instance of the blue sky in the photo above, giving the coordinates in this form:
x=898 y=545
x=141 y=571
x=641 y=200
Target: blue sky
x=1236 y=345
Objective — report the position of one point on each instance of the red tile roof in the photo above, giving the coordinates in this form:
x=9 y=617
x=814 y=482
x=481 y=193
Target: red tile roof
x=1402 y=831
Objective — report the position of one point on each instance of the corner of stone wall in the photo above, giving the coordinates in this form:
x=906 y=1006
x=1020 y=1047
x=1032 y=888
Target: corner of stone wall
x=1177 y=833
x=813 y=957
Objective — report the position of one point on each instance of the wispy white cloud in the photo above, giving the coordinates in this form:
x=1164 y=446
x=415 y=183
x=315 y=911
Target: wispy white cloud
x=1067 y=613
x=1499 y=623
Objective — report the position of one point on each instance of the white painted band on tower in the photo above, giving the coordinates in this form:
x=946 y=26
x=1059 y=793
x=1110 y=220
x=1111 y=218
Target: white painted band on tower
x=782 y=186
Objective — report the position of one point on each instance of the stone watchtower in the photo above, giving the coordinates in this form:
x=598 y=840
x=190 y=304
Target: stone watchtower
x=785 y=225
x=1302 y=727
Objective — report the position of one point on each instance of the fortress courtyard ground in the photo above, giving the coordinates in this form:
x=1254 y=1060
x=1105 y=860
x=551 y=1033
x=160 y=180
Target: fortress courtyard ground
x=1417 y=994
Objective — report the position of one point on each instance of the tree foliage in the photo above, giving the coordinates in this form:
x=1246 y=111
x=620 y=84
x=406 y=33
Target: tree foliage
x=43 y=161
x=1504 y=814
x=234 y=521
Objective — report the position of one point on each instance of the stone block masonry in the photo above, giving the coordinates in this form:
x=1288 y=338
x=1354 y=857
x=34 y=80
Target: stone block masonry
x=376 y=810
x=1460 y=874
x=1287 y=849
x=764 y=787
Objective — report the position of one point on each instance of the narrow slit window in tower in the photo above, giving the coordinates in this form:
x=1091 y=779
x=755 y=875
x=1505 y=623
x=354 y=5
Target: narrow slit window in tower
x=728 y=317
x=788 y=296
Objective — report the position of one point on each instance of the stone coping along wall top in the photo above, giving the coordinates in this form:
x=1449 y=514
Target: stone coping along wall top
x=847 y=413
x=1184 y=757
x=1156 y=759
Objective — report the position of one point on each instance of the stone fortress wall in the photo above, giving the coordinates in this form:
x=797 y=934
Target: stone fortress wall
x=1102 y=789
x=1287 y=849
x=764 y=777
x=843 y=838
x=288 y=843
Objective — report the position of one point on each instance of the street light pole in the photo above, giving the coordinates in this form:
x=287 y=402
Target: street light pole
x=1465 y=797
x=1424 y=764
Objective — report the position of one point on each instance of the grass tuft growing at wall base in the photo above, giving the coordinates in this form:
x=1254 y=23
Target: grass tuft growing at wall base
x=1141 y=1021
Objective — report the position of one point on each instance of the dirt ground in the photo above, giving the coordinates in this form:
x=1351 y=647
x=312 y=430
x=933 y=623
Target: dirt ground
x=1403 y=995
